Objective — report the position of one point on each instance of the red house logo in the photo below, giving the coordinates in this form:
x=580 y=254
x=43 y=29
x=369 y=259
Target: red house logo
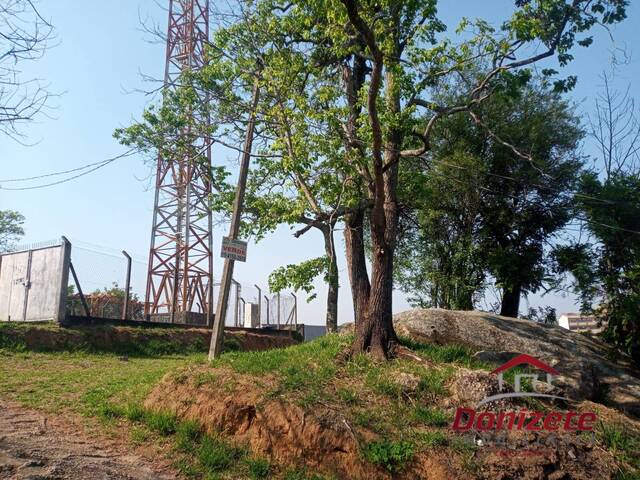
x=524 y=359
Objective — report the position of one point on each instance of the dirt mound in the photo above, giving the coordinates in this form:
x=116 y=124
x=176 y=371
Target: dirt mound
x=324 y=438
x=240 y=407
x=144 y=341
x=587 y=372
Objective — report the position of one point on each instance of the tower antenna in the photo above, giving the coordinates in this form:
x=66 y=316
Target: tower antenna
x=180 y=274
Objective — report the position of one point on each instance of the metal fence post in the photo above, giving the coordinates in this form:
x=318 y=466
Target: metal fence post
x=295 y=310
x=278 y=311
x=244 y=304
x=259 y=303
x=267 y=300
x=87 y=311
x=127 y=287
x=63 y=286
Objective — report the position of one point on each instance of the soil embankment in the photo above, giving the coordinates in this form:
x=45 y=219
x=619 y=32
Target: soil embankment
x=143 y=341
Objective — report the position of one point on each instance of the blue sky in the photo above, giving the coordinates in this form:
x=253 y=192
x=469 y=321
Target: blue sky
x=97 y=65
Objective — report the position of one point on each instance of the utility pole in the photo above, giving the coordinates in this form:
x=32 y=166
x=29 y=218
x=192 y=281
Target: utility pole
x=217 y=338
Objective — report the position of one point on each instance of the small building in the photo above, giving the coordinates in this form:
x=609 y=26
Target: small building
x=577 y=322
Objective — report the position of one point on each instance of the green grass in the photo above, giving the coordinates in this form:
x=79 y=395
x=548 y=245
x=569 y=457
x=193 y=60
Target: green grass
x=259 y=468
x=364 y=393
x=81 y=382
x=289 y=361
x=430 y=416
x=392 y=455
x=456 y=354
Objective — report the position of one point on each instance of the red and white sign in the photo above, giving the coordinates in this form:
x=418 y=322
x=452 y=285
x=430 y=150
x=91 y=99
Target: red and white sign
x=234 y=249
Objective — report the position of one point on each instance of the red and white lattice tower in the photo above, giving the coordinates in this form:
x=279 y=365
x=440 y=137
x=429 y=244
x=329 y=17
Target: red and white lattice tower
x=180 y=276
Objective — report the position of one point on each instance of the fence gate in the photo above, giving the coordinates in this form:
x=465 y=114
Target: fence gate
x=33 y=282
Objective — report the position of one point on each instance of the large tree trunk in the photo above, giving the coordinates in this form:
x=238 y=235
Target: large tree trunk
x=376 y=334
x=511 y=301
x=332 y=278
x=356 y=264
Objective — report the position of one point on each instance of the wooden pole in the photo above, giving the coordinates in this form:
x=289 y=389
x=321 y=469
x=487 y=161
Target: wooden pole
x=217 y=337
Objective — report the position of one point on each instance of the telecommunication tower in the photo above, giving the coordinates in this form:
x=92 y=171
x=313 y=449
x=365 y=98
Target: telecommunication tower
x=180 y=275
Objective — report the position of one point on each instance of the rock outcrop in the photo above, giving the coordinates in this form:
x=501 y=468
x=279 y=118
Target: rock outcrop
x=587 y=372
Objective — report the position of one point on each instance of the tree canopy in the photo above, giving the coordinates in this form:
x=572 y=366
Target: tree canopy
x=346 y=100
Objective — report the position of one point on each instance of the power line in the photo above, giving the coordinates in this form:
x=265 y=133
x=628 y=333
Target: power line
x=541 y=187
x=529 y=201
x=96 y=166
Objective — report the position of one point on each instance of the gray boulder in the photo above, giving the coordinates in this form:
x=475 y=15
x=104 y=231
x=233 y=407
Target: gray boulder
x=587 y=373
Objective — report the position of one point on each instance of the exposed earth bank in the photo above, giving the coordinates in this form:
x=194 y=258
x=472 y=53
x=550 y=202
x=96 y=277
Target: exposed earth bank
x=361 y=420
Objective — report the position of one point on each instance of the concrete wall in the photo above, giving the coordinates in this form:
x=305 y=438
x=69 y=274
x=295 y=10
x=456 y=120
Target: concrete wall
x=33 y=284
x=314 y=331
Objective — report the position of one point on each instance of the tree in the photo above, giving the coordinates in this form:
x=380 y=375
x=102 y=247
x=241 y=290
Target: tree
x=529 y=202
x=543 y=315
x=10 y=228
x=439 y=260
x=347 y=99
x=606 y=266
x=489 y=211
x=616 y=129
x=24 y=36
x=393 y=37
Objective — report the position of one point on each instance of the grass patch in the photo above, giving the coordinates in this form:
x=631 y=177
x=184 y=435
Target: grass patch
x=187 y=435
x=348 y=396
x=432 y=439
x=624 y=445
x=363 y=392
x=392 y=455
x=139 y=341
x=430 y=416
x=287 y=361
x=457 y=354
x=163 y=423
x=259 y=468
x=216 y=455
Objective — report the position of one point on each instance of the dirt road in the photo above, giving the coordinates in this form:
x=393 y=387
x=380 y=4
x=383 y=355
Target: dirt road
x=35 y=447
